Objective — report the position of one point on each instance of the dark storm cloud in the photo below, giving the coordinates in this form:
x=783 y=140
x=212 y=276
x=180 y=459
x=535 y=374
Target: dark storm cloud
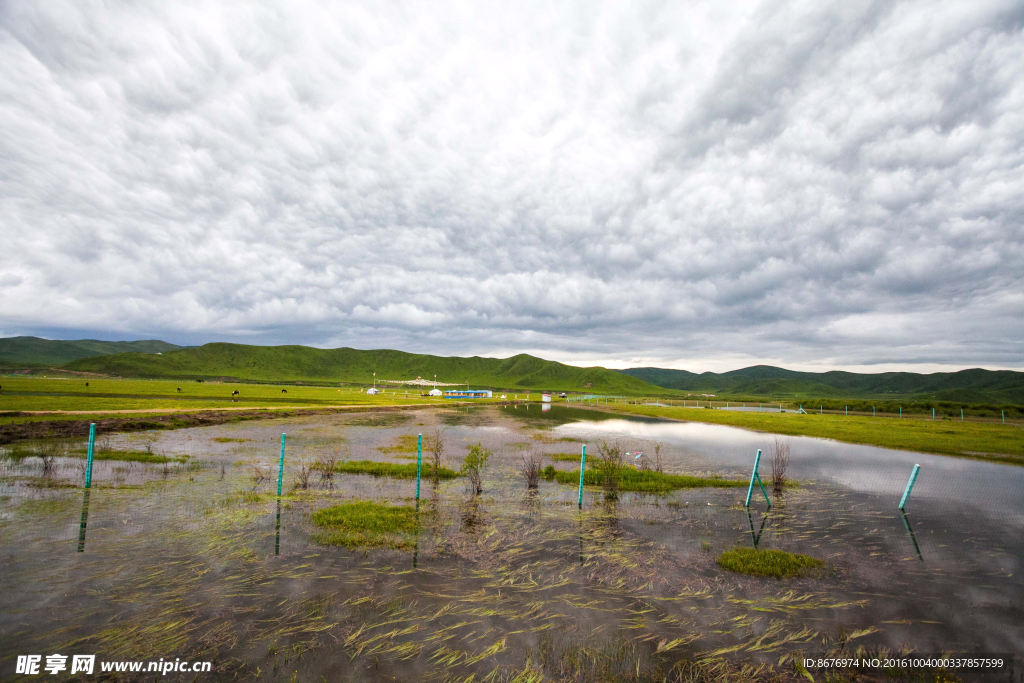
x=804 y=183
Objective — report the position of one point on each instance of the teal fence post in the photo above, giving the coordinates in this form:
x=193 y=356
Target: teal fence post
x=847 y=409
x=821 y=410
x=872 y=411
x=419 y=463
x=961 y=414
x=933 y=413
x=280 y=466
x=753 y=476
x=901 y=411
x=1003 y=413
x=88 y=458
x=910 y=485
x=583 y=467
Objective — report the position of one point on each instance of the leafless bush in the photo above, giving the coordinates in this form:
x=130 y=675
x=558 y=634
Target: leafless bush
x=258 y=476
x=530 y=466
x=779 y=452
x=325 y=468
x=302 y=476
x=435 y=445
x=609 y=464
x=48 y=453
x=657 y=458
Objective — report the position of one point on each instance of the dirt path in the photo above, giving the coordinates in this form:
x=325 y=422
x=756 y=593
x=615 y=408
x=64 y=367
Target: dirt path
x=170 y=419
x=203 y=410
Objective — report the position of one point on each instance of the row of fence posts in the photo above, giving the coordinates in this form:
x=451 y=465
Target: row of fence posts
x=754 y=477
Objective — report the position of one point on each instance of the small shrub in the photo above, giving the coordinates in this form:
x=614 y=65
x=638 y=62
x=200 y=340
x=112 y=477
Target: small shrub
x=776 y=563
x=49 y=453
x=258 y=476
x=548 y=472
x=779 y=452
x=610 y=465
x=302 y=475
x=435 y=443
x=530 y=469
x=473 y=467
x=326 y=467
x=657 y=458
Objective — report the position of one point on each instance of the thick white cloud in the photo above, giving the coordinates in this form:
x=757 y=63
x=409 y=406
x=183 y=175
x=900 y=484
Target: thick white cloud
x=806 y=183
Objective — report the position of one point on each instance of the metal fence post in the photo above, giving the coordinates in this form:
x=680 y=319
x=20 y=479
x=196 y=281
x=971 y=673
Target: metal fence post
x=583 y=467
x=910 y=486
x=419 y=463
x=88 y=458
x=753 y=475
x=280 y=466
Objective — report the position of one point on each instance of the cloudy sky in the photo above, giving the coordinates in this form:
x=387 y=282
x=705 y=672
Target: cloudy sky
x=701 y=185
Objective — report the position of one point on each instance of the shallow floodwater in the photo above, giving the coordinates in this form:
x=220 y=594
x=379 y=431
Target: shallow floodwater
x=199 y=560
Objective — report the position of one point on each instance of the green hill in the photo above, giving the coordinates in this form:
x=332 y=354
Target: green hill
x=970 y=386
x=36 y=351
x=303 y=363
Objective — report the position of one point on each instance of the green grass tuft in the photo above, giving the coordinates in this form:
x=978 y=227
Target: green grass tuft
x=647 y=481
x=127 y=456
x=390 y=469
x=365 y=524
x=564 y=457
x=775 y=563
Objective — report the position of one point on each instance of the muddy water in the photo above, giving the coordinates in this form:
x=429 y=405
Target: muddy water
x=201 y=561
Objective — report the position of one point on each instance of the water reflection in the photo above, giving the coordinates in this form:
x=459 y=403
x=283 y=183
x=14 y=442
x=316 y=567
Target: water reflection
x=910 y=530
x=277 y=530
x=85 y=520
x=756 y=539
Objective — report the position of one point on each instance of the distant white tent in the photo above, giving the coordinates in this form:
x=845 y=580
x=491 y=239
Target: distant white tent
x=373 y=391
x=435 y=392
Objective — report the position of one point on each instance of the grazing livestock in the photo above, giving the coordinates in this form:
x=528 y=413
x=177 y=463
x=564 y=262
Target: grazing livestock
x=235 y=392
x=284 y=391
x=179 y=388
x=86 y=384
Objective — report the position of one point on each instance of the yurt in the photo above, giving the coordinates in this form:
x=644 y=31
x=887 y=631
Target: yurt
x=435 y=392
x=373 y=391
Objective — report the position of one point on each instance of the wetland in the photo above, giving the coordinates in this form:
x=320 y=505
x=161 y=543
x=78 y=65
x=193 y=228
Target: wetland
x=190 y=553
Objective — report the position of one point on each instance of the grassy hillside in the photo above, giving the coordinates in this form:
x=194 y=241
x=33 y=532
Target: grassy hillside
x=971 y=386
x=32 y=351
x=302 y=363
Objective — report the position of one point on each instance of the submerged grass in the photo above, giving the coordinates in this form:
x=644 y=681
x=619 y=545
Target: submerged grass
x=365 y=524
x=776 y=563
x=404 y=443
x=646 y=481
x=390 y=469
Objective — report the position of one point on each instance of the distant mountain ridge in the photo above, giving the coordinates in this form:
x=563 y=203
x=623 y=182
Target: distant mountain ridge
x=974 y=385
x=38 y=351
x=304 y=363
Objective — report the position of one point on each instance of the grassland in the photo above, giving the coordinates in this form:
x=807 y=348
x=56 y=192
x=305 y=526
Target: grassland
x=27 y=394
x=302 y=363
x=365 y=524
x=774 y=563
x=644 y=481
x=981 y=440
